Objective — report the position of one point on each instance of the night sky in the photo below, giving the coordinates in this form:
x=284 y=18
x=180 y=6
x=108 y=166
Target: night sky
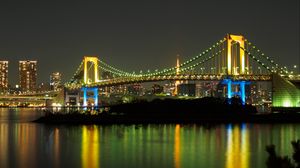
x=134 y=35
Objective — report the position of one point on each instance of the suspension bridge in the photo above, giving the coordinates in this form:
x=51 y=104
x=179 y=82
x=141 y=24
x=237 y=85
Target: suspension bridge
x=234 y=61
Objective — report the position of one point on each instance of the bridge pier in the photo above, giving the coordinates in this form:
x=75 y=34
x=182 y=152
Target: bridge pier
x=242 y=89
x=229 y=95
x=85 y=96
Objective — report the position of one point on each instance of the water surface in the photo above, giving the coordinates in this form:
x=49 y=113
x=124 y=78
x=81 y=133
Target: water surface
x=26 y=144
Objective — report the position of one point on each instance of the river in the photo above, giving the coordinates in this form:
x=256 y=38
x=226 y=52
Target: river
x=30 y=145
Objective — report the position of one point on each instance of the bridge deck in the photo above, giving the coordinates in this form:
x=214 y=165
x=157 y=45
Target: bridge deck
x=141 y=79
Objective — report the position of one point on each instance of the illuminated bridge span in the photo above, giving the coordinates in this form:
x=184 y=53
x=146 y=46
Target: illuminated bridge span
x=233 y=60
x=198 y=77
x=13 y=97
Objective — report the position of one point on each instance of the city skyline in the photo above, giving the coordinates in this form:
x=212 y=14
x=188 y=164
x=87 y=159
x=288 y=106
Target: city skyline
x=25 y=68
x=134 y=36
x=28 y=75
x=3 y=75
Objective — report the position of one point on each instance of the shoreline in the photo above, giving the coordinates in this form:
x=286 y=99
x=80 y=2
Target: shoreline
x=118 y=119
x=203 y=110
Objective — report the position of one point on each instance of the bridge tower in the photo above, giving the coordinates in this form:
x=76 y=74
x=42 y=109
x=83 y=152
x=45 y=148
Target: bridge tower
x=177 y=82
x=177 y=65
x=236 y=65
x=93 y=60
x=235 y=62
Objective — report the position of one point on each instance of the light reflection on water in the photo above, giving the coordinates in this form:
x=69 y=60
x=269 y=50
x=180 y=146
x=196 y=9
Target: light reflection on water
x=25 y=144
x=177 y=146
x=90 y=155
x=237 y=152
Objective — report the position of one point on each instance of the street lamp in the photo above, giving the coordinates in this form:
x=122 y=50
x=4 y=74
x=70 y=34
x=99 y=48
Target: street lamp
x=295 y=67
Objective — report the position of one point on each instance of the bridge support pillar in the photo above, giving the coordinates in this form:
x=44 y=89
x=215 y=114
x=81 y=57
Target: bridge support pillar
x=96 y=96
x=85 y=96
x=242 y=89
x=232 y=61
x=229 y=95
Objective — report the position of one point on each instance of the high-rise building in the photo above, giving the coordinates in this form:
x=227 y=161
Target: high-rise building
x=3 y=75
x=28 y=75
x=55 y=81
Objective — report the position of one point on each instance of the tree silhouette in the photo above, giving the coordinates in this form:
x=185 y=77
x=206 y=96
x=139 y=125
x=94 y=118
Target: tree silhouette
x=275 y=161
x=296 y=154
